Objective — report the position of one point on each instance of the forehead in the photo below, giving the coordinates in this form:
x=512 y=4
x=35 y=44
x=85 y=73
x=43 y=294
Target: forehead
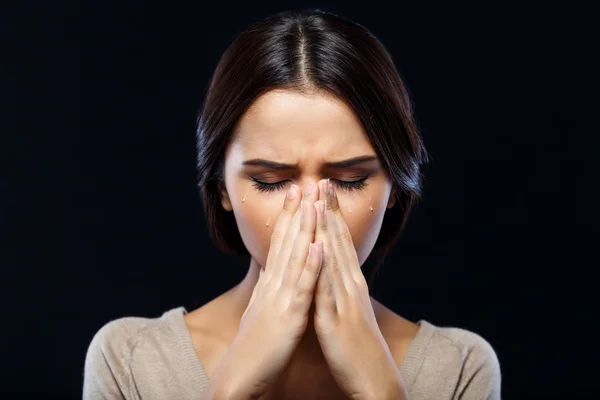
x=285 y=124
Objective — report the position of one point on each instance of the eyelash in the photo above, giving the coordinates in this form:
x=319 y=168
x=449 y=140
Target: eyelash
x=345 y=185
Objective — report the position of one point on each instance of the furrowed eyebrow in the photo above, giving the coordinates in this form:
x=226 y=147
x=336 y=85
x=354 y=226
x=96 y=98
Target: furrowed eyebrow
x=350 y=162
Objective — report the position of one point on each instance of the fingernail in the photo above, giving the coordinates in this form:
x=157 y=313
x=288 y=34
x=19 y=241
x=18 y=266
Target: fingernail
x=326 y=187
x=292 y=192
x=330 y=190
x=309 y=188
x=303 y=207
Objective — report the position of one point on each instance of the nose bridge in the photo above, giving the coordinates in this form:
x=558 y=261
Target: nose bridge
x=305 y=178
x=309 y=171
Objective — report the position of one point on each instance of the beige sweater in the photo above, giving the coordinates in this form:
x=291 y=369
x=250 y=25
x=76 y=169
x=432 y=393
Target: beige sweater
x=154 y=358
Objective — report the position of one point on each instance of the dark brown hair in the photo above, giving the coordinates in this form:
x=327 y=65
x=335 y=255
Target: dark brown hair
x=306 y=51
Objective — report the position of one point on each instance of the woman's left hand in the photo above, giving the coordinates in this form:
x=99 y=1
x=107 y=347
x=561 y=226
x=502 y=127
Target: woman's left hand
x=356 y=352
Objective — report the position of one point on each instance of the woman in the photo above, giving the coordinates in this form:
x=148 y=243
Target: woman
x=309 y=162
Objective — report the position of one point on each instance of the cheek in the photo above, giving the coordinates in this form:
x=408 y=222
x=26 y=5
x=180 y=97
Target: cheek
x=364 y=228
x=252 y=218
x=364 y=225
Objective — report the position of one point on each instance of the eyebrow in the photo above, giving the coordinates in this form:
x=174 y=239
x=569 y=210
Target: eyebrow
x=350 y=162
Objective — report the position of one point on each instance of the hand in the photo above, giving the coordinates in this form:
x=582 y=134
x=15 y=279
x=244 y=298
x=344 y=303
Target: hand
x=355 y=350
x=277 y=313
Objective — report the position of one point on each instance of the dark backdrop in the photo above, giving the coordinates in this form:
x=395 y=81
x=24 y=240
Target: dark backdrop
x=106 y=220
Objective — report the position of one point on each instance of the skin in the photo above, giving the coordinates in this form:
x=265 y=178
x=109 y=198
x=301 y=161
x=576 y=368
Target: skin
x=307 y=131
x=292 y=128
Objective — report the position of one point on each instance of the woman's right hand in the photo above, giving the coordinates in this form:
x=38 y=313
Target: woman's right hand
x=277 y=313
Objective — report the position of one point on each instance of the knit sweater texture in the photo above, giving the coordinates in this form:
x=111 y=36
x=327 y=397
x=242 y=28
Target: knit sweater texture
x=154 y=358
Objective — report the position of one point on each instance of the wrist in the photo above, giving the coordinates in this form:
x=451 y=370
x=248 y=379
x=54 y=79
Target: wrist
x=389 y=386
x=224 y=387
x=396 y=389
x=226 y=392
x=397 y=394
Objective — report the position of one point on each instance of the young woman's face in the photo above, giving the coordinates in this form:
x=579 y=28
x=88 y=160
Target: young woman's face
x=306 y=132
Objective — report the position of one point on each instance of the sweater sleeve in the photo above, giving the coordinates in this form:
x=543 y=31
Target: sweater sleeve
x=106 y=366
x=481 y=377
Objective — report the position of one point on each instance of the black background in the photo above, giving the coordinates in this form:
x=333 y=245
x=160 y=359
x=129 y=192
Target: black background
x=105 y=221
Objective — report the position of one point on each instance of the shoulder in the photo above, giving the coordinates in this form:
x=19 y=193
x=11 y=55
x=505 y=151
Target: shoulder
x=119 y=338
x=466 y=344
x=118 y=346
x=464 y=358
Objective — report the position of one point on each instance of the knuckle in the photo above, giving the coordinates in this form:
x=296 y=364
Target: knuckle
x=293 y=308
x=265 y=280
x=334 y=263
x=301 y=289
x=276 y=237
x=339 y=239
x=304 y=236
x=323 y=225
x=317 y=205
x=294 y=259
x=303 y=225
x=288 y=205
x=344 y=236
x=361 y=285
x=313 y=260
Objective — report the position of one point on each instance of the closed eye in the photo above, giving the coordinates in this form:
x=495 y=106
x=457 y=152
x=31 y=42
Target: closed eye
x=349 y=186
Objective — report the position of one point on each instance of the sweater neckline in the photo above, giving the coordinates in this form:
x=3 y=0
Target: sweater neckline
x=409 y=369
x=186 y=346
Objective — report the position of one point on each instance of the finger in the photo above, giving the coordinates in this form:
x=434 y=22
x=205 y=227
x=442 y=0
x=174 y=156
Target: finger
x=343 y=240
x=289 y=238
x=332 y=201
x=290 y=208
x=330 y=262
x=306 y=284
x=324 y=296
x=305 y=235
x=342 y=271
x=311 y=192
